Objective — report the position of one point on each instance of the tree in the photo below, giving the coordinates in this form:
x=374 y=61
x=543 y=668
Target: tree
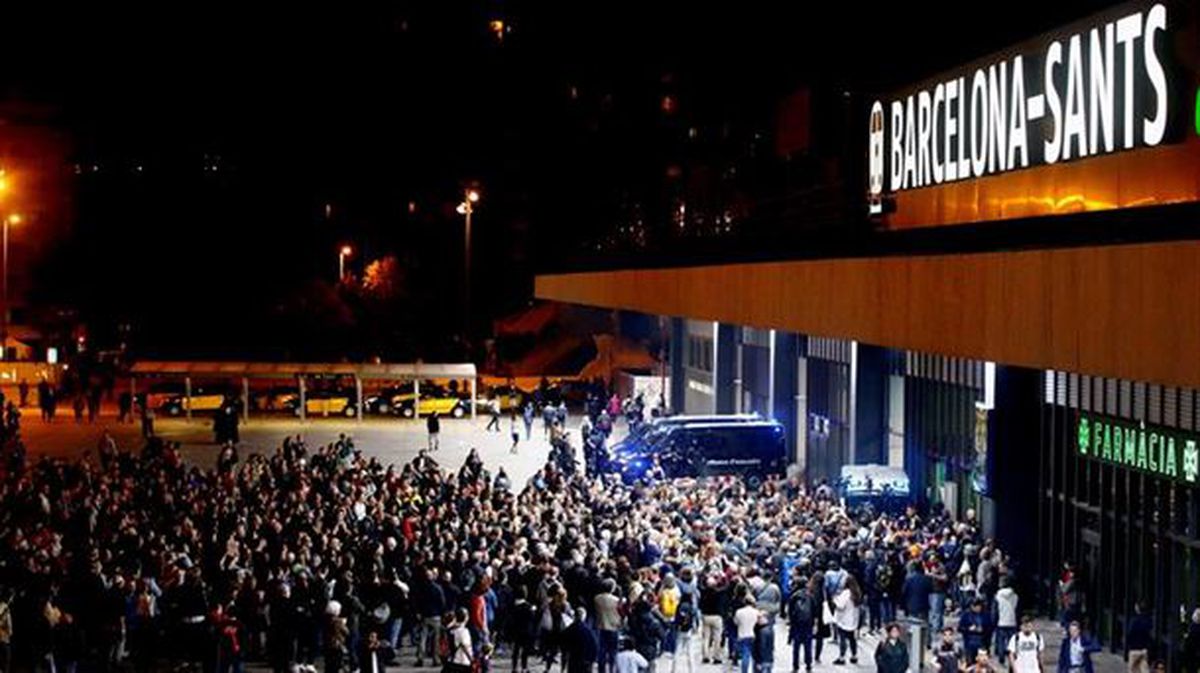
x=382 y=279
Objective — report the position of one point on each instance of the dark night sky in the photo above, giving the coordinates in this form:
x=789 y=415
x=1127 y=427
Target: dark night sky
x=371 y=106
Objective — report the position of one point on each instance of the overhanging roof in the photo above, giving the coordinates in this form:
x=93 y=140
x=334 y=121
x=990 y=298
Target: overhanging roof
x=404 y=371
x=1124 y=311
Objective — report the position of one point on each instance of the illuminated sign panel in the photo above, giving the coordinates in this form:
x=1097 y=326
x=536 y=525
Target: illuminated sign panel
x=1163 y=452
x=1101 y=87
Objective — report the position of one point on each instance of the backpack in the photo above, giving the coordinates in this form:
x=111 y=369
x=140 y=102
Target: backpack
x=801 y=608
x=444 y=645
x=883 y=577
x=685 y=618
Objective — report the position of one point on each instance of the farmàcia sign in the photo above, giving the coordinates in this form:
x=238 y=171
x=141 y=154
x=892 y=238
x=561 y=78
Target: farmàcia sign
x=1093 y=90
x=1162 y=452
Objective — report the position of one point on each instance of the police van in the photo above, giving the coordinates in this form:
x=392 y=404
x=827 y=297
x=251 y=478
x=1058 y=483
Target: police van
x=752 y=449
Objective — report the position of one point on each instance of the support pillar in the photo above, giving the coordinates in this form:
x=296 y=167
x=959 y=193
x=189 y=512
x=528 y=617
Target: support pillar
x=724 y=362
x=474 y=388
x=678 y=356
x=187 y=397
x=739 y=372
x=303 y=400
x=785 y=385
x=869 y=404
x=245 y=398
x=417 y=397
x=358 y=398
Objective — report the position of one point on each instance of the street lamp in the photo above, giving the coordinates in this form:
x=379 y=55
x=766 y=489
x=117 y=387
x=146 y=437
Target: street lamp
x=342 y=255
x=12 y=219
x=466 y=208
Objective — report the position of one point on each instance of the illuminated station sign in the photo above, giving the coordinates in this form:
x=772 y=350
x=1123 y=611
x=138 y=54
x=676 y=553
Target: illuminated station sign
x=1103 y=86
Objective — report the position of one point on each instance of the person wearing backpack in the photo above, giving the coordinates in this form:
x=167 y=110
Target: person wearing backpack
x=687 y=621
x=802 y=620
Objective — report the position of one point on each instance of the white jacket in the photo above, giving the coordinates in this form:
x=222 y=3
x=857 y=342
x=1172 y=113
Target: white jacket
x=845 y=612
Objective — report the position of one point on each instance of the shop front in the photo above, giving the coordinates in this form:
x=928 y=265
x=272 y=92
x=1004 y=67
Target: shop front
x=1118 y=497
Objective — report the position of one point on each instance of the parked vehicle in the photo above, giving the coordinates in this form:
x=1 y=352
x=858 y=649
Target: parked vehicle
x=750 y=449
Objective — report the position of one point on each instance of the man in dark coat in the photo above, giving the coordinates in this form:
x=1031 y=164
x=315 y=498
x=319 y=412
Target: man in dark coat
x=580 y=644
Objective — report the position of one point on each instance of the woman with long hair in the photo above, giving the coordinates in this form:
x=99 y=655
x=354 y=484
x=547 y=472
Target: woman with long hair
x=846 y=604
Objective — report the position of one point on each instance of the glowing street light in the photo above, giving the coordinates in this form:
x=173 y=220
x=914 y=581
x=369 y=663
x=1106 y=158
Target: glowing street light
x=345 y=252
x=11 y=220
x=466 y=209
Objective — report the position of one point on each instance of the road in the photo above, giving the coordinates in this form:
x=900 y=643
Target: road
x=392 y=440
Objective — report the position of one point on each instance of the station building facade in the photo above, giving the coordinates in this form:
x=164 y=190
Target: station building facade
x=1038 y=364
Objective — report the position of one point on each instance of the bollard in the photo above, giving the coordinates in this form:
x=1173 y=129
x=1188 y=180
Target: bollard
x=915 y=630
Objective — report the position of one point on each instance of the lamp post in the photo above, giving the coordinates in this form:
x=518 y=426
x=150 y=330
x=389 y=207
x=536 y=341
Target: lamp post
x=343 y=253
x=466 y=208
x=14 y=218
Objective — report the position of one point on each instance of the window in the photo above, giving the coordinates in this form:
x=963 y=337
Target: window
x=699 y=353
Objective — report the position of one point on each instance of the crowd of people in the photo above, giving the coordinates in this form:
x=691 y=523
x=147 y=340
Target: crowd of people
x=318 y=555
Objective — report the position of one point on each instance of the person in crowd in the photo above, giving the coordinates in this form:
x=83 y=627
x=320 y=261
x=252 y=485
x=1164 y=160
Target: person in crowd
x=522 y=631
x=846 y=618
x=629 y=660
x=1138 y=638
x=1004 y=616
x=891 y=655
x=527 y=417
x=607 y=609
x=764 y=644
x=513 y=431
x=1025 y=648
x=375 y=654
x=745 y=621
x=939 y=583
x=1070 y=595
x=580 y=644
x=433 y=424
x=493 y=409
x=1075 y=654
x=646 y=628
x=975 y=625
x=462 y=654
x=802 y=611
x=917 y=590
x=1191 y=644
x=687 y=624
x=946 y=656
x=713 y=596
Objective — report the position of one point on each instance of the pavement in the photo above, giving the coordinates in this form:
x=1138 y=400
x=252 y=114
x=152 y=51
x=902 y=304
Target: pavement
x=391 y=440
x=394 y=440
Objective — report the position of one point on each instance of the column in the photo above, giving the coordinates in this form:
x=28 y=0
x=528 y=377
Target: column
x=358 y=396
x=678 y=357
x=724 y=365
x=303 y=399
x=869 y=404
x=785 y=384
x=474 y=388
x=187 y=396
x=417 y=397
x=739 y=371
x=1014 y=447
x=245 y=398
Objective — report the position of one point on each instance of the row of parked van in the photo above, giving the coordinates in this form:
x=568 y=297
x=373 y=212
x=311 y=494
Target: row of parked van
x=745 y=445
x=172 y=400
